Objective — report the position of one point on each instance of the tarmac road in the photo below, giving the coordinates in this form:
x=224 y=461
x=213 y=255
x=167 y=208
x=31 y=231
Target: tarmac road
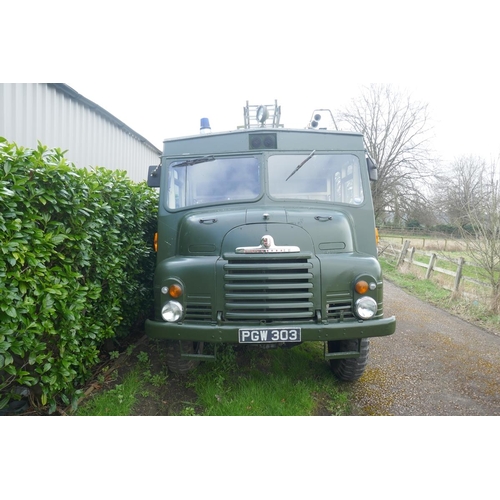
x=435 y=364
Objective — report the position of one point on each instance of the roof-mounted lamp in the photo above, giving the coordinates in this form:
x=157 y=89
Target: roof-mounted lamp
x=262 y=115
x=323 y=117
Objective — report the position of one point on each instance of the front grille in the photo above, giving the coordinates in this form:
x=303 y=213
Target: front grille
x=339 y=306
x=277 y=288
x=198 y=309
x=340 y=310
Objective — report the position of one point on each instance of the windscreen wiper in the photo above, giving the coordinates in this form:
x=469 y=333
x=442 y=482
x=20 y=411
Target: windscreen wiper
x=300 y=165
x=195 y=161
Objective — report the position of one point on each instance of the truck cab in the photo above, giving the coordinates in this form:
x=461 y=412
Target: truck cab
x=266 y=236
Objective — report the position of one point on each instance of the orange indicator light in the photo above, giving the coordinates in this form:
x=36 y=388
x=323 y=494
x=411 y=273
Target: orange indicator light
x=361 y=287
x=175 y=291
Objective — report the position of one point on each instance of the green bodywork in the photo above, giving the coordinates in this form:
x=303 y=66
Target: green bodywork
x=225 y=290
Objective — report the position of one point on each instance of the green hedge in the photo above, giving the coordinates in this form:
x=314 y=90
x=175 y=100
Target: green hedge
x=76 y=267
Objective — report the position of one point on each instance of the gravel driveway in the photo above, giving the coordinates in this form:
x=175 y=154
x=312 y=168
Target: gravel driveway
x=435 y=364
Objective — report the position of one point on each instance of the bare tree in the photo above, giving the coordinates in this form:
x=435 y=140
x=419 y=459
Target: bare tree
x=420 y=211
x=396 y=131
x=481 y=210
x=461 y=191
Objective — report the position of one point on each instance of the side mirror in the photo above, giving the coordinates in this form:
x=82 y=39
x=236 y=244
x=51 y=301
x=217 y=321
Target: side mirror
x=154 y=176
x=372 y=169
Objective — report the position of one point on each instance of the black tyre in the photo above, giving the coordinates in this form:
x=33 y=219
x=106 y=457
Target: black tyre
x=349 y=369
x=178 y=364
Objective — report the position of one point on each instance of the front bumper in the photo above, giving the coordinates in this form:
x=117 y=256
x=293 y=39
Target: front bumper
x=198 y=332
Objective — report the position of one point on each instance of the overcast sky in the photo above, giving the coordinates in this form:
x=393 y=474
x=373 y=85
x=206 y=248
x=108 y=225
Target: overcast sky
x=160 y=67
x=463 y=117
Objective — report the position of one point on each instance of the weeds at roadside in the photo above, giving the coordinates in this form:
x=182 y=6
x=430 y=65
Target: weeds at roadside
x=155 y=379
x=141 y=381
x=188 y=411
x=114 y=402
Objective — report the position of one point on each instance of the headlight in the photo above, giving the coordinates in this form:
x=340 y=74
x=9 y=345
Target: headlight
x=171 y=311
x=366 y=307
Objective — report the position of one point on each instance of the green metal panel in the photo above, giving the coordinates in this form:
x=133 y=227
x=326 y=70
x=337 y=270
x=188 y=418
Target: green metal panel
x=287 y=140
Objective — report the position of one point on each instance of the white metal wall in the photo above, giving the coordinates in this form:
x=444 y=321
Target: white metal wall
x=31 y=112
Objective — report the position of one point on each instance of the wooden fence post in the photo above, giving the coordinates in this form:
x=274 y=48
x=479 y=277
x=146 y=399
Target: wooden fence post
x=431 y=266
x=402 y=255
x=458 y=276
x=412 y=254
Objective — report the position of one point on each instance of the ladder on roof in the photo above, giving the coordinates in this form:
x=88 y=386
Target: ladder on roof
x=250 y=115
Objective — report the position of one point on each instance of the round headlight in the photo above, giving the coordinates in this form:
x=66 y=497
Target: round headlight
x=366 y=308
x=171 y=311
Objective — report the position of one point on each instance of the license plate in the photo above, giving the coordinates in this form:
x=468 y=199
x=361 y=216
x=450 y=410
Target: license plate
x=264 y=335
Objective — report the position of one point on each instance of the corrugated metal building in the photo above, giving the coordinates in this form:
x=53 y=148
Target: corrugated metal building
x=60 y=117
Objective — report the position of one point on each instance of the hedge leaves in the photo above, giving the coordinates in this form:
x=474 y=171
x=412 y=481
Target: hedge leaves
x=76 y=267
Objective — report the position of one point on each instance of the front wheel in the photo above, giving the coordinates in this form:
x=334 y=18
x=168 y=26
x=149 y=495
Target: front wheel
x=349 y=369
x=175 y=362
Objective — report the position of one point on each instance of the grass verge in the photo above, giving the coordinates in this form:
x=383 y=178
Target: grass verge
x=278 y=382
x=117 y=401
x=475 y=311
x=246 y=381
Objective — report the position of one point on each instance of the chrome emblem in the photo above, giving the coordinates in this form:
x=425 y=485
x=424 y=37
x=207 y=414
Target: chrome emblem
x=266 y=241
x=267 y=246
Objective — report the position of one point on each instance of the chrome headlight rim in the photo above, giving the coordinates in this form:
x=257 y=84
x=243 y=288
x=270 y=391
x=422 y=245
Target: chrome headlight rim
x=366 y=308
x=172 y=311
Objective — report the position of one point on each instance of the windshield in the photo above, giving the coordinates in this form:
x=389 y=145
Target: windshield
x=212 y=180
x=325 y=177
